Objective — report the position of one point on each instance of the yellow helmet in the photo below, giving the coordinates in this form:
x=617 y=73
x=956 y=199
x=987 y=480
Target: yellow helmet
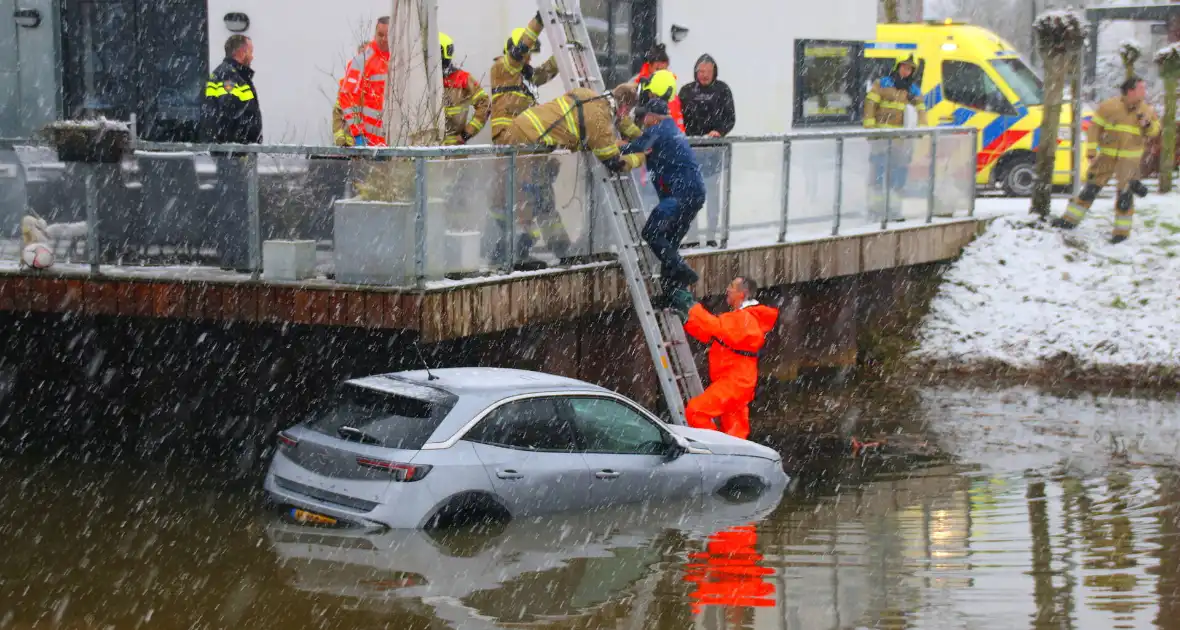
x=517 y=34
x=448 y=46
x=662 y=83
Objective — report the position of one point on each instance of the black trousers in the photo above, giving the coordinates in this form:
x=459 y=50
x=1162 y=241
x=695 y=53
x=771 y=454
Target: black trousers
x=229 y=223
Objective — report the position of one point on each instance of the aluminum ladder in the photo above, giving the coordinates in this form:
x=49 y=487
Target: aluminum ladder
x=674 y=363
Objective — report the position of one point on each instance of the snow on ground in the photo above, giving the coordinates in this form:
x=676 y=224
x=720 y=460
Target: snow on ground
x=1022 y=295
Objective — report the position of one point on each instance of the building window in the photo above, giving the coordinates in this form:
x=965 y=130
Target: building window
x=621 y=32
x=828 y=85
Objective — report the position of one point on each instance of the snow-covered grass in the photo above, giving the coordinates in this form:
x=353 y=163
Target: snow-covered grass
x=1033 y=297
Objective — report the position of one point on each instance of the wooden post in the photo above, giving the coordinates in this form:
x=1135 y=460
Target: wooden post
x=1168 y=60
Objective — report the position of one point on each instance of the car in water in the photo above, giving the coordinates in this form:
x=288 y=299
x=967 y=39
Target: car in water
x=431 y=448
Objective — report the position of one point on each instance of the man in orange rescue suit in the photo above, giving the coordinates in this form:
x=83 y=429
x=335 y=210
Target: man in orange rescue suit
x=461 y=93
x=734 y=340
x=362 y=95
x=1120 y=127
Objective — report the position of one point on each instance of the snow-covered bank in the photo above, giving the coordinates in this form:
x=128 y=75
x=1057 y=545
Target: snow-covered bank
x=1034 y=298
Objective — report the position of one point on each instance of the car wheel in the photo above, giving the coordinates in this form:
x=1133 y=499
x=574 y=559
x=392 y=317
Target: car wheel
x=742 y=489
x=469 y=510
x=1020 y=177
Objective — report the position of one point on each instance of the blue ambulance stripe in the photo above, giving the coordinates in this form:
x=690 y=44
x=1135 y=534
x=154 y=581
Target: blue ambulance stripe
x=961 y=115
x=934 y=97
x=890 y=46
x=996 y=128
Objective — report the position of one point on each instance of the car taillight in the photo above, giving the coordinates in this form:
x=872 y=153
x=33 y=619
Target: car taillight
x=286 y=441
x=400 y=472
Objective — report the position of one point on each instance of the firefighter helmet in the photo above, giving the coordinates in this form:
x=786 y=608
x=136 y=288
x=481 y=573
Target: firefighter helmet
x=662 y=83
x=911 y=60
x=448 y=46
x=517 y=34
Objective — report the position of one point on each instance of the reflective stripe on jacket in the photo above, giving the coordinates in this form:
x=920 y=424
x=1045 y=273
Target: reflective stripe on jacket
x=885 y=104
x=512 y=80
x=1119 y=129
x=362 y=94
x=230 y=113
x=461 y=93
x=579 y=120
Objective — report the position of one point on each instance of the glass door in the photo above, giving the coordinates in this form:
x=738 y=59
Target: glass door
x=621 y=32
x=142 y=57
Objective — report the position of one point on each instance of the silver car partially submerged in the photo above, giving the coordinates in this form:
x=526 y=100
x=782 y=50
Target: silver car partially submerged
x=425 y=449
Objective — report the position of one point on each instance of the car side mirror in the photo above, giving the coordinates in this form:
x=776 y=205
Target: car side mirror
x=674 y=448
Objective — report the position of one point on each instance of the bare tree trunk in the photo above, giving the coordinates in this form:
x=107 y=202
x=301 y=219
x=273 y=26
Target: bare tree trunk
x=1168 y=139
x=890 y=11
x=1057 y=67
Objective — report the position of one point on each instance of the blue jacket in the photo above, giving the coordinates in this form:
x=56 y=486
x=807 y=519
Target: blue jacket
x=672 y=162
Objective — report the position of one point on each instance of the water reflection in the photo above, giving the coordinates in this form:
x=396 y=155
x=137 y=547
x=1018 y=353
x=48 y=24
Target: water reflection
x=1019 y=532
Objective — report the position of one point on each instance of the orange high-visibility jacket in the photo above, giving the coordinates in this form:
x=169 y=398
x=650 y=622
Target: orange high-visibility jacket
x=673 y=105
x=734 y=340
x=362 y=94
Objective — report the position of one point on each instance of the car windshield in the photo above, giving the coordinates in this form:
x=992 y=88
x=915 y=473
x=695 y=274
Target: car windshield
x=1023 y=81
x=369 y=416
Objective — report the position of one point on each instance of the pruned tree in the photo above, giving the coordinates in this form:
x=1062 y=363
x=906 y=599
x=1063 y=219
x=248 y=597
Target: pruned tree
x=1060 y=37
x=1168 y=60
x=1129 y=53
x=890 y=7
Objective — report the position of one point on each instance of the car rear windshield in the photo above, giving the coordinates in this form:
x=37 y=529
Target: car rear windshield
x=369 y=416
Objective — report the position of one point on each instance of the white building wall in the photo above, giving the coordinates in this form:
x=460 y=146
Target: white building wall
x=302 y=46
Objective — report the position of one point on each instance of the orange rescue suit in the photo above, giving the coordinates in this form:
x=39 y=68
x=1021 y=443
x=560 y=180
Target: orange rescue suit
x=735 y=339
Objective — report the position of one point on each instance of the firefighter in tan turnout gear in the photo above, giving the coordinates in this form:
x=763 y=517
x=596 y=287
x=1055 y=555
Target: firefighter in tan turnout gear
x=514 y=81
x=580 y=119
x=884 y=108
x=1121 y=127
x=461 y=94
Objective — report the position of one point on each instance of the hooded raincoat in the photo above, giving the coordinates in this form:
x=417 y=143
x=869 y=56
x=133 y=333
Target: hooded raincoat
x=707 y=108
x=734 y=339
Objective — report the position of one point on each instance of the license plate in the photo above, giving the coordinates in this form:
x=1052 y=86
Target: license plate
x=311 y=518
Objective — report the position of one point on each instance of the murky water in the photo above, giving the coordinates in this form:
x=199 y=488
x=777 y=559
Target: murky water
x=1053 y=513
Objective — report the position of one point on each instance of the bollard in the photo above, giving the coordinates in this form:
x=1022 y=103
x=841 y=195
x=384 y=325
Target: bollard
x=420 y=222
x=253 y=223
x=782 y=228
x=727 y=181
x=933 y=177
x=839 y=184
x=971 y=182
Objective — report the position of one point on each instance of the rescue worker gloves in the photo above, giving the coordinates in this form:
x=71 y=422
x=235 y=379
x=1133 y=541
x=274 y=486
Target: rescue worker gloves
x=1138 y=188
x=1089 y=193
x=1125 y=200
x=359 y=141
x=615 y=164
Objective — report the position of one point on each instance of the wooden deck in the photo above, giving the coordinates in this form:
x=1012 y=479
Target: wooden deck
x=474 y=307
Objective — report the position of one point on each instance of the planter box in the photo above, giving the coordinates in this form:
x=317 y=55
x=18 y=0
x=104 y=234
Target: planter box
x=94 y=141
x=374 y=242
x=290 y=261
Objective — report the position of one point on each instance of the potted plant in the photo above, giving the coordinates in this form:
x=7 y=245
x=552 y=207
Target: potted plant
x=98 y=140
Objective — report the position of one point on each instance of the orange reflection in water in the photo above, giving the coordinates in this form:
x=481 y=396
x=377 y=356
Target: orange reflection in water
x=729 y=573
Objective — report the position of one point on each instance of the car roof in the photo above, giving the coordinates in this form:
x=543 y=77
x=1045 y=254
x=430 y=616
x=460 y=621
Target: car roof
x=487 y=382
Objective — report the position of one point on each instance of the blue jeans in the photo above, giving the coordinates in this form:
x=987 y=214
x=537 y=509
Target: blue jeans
x=665 y=229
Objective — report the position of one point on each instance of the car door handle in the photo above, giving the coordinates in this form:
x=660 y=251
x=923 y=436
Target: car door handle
x=509 y=474
x=607 y=474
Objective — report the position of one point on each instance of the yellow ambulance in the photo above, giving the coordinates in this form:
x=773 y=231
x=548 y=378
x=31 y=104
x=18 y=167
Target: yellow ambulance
x=970 y=76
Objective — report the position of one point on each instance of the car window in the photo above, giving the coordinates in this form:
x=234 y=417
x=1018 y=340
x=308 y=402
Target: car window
x=609 y=426
x=370 y=416
x=969 y=85
x=1027 y=85
x=532 y=424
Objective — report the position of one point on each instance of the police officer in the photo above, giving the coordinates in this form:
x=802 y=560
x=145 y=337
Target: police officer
x=230 y=114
